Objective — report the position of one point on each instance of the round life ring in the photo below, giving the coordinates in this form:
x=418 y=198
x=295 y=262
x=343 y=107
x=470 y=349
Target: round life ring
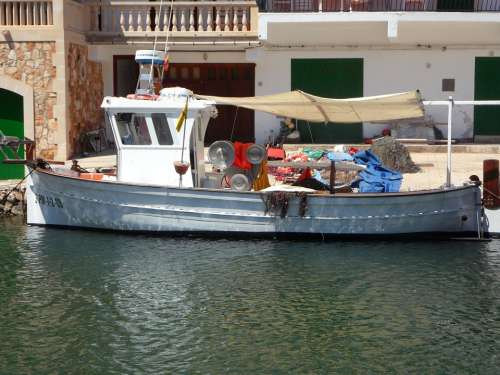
x=142 y=96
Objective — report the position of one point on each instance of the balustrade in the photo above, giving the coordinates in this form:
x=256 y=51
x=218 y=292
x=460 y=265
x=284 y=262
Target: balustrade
x=26 y=13
x=297 y=6
x=186 y=16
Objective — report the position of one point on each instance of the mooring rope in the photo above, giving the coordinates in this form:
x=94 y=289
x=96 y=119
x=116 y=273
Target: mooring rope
x=4 y=199
x=491 y=193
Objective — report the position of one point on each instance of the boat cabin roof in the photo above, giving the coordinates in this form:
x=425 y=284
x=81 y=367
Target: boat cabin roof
x=169 y=99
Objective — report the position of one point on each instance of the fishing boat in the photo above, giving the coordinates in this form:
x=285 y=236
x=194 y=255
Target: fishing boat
x=163 y=182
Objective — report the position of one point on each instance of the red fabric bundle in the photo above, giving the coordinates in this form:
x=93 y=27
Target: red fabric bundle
x=240 y=159
x=274 y=153
x=353 y=150
x=305 y=175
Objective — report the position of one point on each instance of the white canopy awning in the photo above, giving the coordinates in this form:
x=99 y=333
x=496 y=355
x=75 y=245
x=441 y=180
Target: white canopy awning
x=303 y=106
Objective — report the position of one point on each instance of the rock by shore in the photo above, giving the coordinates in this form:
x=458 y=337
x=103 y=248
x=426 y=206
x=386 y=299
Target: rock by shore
x=12 y=204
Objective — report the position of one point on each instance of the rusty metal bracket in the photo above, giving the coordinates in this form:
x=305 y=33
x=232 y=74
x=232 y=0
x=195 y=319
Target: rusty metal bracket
x=14 y=146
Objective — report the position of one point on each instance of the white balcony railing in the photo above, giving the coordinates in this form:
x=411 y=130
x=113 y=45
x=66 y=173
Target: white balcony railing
x=26 y=13
x=143 y=17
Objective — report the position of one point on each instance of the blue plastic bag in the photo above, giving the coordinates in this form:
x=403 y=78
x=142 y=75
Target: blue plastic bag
x=375 y=178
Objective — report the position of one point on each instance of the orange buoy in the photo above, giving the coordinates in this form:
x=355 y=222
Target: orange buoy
x=92 y=176
x=142 y=96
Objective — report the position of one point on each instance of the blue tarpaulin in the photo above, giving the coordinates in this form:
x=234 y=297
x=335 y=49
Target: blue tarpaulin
x=375 y=178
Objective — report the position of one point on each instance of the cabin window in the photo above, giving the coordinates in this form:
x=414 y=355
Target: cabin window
x=133 y=129
x=162 y=130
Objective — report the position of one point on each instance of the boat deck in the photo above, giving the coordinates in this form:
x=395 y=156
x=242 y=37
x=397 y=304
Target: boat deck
x=466 y=161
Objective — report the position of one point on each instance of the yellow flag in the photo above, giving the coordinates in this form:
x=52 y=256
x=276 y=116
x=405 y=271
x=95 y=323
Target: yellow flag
x=262 y=180
x=182 y=117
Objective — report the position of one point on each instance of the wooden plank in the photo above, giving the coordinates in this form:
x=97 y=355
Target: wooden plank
x=339 y=166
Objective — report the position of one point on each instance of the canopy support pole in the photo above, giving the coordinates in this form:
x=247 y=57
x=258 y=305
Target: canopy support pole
x=448 y=159
x=451 y=103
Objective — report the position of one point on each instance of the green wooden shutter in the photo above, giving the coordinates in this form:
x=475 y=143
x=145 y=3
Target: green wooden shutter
x=487 y=87
x=11 y=123
x=455 y=5
x=332 y=78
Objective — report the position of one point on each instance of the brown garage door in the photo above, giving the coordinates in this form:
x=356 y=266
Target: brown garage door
x=221 y=80
x=209 y=79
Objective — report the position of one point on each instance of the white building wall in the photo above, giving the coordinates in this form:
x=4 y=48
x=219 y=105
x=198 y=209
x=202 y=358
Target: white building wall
x=385 y=71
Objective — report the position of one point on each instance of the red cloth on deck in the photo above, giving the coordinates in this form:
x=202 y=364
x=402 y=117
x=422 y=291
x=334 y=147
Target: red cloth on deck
x=305 y=175
x=274 y=153
x=240 y=159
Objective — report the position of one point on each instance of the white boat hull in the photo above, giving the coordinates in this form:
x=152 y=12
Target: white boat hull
x=71 y=202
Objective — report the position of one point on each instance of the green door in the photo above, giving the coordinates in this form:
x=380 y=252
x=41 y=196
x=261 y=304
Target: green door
x=455 y=5
x=11 y=123
x=331 y=78
x=487 y=87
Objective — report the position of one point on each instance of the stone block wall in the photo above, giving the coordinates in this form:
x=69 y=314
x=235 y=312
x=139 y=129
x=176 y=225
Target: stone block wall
x=12 y=202
x=85 y=94
x=33 y=64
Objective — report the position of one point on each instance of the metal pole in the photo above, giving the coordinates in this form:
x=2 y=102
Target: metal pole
x=183 y=142
x=332 y=177
x=451 y=103
x=448 y=162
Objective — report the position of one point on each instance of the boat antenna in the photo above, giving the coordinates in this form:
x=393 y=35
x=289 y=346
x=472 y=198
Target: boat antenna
x=169 y=24
x=157 y=30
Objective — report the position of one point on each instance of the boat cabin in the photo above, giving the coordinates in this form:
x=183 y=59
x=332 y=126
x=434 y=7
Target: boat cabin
x=148 y=143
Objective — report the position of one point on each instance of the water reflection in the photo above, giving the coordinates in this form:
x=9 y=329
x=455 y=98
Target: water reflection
x=75 y=301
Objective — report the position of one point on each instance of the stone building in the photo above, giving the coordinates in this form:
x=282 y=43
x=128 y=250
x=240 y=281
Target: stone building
x=58 y=58
x=45 y=73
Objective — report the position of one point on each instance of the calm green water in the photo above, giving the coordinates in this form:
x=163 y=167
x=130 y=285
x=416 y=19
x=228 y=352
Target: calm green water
x=76 y=302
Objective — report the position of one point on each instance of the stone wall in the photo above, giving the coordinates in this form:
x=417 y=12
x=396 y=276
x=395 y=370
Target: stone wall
x=12 y=202
x=33 y=64
x=85 y=94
